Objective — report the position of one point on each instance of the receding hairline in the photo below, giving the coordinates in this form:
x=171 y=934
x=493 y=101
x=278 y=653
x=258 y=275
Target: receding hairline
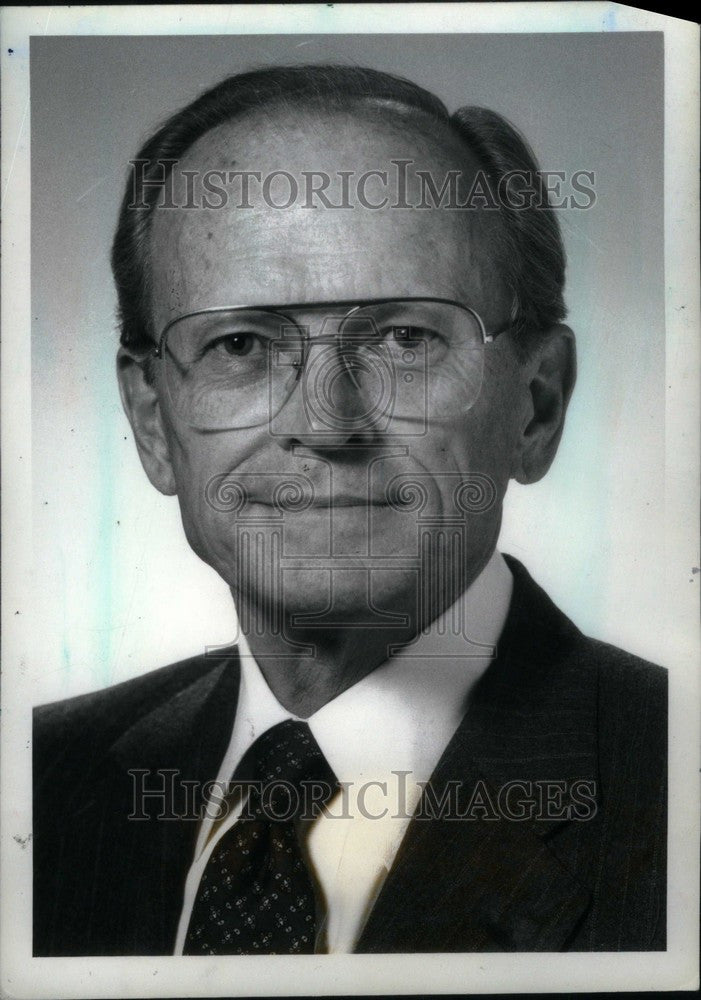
x=402 y=121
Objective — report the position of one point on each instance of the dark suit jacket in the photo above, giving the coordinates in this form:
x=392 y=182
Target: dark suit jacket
x=553 y=705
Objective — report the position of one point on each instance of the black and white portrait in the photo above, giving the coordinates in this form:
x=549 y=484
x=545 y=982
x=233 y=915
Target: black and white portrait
x=358 y=517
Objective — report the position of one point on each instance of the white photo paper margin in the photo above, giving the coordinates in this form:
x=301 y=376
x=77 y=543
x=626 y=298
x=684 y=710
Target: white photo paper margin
x=25 y=976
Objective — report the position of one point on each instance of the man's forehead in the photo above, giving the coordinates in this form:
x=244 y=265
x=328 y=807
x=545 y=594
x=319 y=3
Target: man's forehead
x=320 y=203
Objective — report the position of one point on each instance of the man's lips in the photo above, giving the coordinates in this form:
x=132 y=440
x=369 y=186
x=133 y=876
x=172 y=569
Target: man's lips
x=295 y=492
x=333 y=502
x=345 y=500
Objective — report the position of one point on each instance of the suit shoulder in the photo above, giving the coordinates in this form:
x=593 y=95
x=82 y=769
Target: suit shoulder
x=107 y=712
x=631 y=692
x=542 y=633
x=626 y=680
x=632 y=723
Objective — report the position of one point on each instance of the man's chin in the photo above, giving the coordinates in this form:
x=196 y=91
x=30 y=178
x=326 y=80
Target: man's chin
x=357 y=592
x=355 y=564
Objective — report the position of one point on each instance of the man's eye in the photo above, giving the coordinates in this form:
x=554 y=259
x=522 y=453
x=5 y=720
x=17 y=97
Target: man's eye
x=237 y=345
x=411 y=333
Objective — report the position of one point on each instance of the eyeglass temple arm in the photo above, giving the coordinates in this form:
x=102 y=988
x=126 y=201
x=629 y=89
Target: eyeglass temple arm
x=504 y=328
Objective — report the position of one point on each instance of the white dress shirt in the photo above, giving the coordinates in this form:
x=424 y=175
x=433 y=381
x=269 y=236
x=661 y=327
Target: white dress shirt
x=382 y=737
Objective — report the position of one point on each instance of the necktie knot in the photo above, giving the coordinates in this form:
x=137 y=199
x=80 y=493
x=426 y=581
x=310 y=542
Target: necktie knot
x=291 y=777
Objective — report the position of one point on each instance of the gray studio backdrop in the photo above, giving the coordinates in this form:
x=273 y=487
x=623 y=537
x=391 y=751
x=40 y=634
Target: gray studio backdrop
x=117 y=590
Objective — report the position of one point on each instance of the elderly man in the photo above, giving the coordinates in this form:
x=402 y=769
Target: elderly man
x=341 y=339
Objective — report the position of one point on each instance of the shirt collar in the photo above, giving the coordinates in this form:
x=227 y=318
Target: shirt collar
x=402 y=714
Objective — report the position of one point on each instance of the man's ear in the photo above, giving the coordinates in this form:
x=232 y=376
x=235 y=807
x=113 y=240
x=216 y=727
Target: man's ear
x=552 y=371
x=142 y=407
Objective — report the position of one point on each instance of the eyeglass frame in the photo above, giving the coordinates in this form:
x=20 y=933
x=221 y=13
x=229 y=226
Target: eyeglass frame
x=356 y=304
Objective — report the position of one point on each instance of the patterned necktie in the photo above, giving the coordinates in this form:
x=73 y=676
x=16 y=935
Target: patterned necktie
x=256 y=896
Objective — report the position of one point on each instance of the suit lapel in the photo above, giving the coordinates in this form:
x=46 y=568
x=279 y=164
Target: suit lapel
x=176 y=747
x=486 y=882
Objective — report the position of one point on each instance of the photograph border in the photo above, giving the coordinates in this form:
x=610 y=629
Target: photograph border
x=677 y=968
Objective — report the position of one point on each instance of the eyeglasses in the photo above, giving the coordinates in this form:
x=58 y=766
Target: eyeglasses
x=391 y=363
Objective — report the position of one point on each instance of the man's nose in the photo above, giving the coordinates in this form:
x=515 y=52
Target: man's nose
x=329 y=405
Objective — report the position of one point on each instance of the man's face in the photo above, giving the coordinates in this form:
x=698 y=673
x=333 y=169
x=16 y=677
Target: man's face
x=205 y=258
